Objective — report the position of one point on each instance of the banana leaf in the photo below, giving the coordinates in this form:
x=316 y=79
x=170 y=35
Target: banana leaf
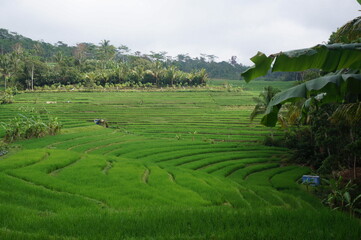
x=262 y=65
x=330 y=88
x=328 y=58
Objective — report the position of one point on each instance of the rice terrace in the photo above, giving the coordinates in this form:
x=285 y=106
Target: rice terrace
x=173 y=165
x=102 y=142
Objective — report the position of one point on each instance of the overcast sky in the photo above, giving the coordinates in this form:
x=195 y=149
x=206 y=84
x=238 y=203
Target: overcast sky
x=220 y=27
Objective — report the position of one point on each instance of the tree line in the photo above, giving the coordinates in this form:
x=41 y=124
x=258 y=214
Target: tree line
x=26 y=64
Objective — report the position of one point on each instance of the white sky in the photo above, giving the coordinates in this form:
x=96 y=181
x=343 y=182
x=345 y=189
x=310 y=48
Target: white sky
x=219 y=27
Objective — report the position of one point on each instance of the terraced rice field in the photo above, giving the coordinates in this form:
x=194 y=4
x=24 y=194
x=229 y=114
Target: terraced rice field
x=255 y=86
x=173 y=165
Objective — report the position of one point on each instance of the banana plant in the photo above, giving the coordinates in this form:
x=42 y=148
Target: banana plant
x=340 y=197
x=341 y=61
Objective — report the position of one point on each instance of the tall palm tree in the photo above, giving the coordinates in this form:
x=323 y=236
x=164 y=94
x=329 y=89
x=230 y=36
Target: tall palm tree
x=106 y=51
x=157 y=71
x=202 y=74
x=58 y=57
x=172 y=74
x=4 y=66
x=348 y=33
x=29 y=67
x=9 y=64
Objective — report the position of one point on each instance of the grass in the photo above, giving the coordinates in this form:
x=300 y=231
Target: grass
x=256 y=86
x=173 y=165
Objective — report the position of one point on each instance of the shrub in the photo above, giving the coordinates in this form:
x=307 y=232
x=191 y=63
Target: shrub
x=8 y=96
x=270 y=140
x=24 y=127
x=302 y=142
x=339 y=194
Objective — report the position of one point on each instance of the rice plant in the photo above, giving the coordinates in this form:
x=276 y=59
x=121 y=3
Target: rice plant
x=135 y=180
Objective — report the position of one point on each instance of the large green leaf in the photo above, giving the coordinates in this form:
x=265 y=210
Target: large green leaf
x=329 y=58
x=262 y=65
x=333 y=88
x=270 y=119
x=299 y=60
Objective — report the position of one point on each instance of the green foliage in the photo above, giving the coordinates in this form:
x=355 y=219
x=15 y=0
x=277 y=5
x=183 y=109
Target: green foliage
x=341 y=61
x=262 y=65
x=224 y=70
x=9 y=39
x=349 y=113
x=329 y=58
x=333 y=87
x=263 y=101
x=349 y=33
x=327 y=89
x=7 y=96
x=342 y=196
x=326 y=145
x=33 y=73
x=26 y=127
x=302 y=142
x=270 y=140
x=330 y=104
x=28 y=64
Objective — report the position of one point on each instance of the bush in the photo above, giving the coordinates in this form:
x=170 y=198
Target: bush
x=6 y=99
x=270 y=140
x=24 y=127
x=337 y=193
x=302 y=142
x=8 y=96
x=324 y=144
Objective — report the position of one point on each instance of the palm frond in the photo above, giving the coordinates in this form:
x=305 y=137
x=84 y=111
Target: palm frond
x=350 y=32
x=347 y=113
x=258 y=109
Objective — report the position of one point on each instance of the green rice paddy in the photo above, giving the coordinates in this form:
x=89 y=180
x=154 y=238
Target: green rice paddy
x=183 y=164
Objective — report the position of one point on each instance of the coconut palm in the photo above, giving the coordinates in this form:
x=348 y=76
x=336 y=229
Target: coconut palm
x=201 y=76
x=348 y=33
x=263 y=100
x=58 y=57
x=106 y=51
x=157 y=71
x=136 y=74
x=4 y=66
x=172 y=74
x=9 y=64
